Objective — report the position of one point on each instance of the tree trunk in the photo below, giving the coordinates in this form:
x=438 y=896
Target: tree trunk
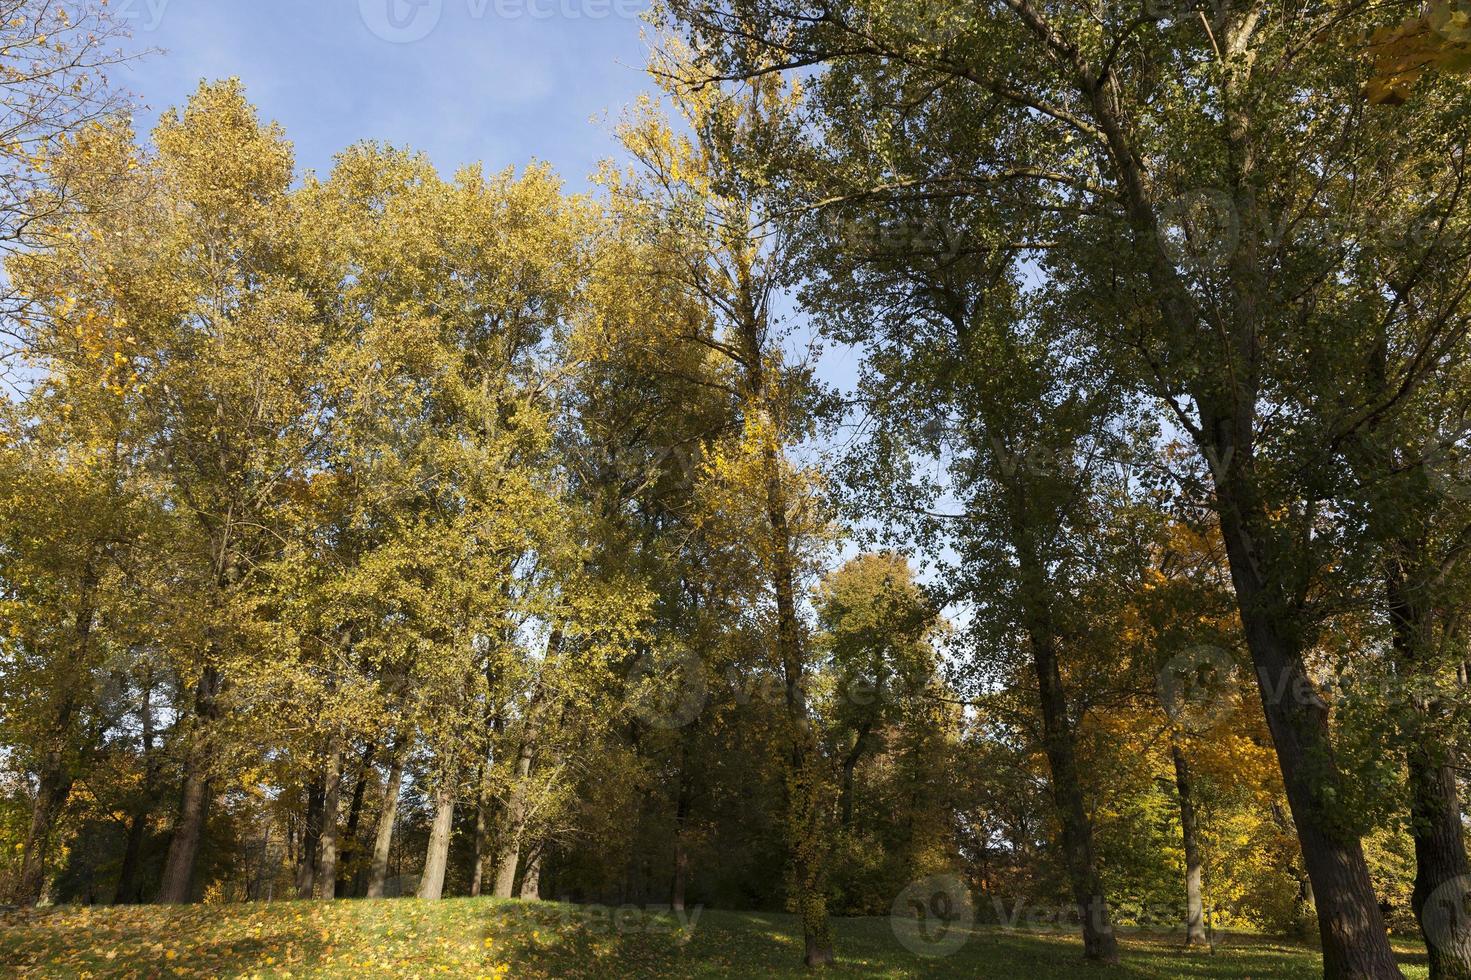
x=508 y=850
x=805 y=809
x=531 y=877
x=349 y=866
x=311 y=839
x=436 y=858
x=482 y=835
x=326 y=870
x=52 y=791
x=1189 y=830
x=177 y=886
x=127 y=892
x=681 y=847
x=178 y=871
x=1442 y=872
x=1350 y=924
x=387 y=818
x=850 y=763
x=1079 y=856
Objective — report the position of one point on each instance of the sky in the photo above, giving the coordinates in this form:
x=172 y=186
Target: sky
x=497 y=81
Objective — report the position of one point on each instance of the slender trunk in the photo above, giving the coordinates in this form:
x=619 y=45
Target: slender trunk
x=508 y=851
x=349 y=866
x=681 y=846
x=531 y=877
x=52 y=790
x=1350 y=924
x=1079 y=855
x=127 y=892
x=387 y=818
x=805 y=811
x=1194 y=902
x=850 y=763
x=482 y=833
x=311 y=840
x=436 y=858
x=326 y=871
x=178 y=871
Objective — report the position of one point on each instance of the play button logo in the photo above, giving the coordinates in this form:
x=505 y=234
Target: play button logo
x=401 y=21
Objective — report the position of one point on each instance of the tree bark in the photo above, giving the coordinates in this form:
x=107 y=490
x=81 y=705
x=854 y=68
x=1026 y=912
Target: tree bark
x=311 y=839
x=387 y=818
x=1442 y=871
x=850 y=763
x=1350 y=924
x=128 y=893
x=681 y=828
x=349 y=865
x=52 y=791
x=805 y=810
x=436 y=858
x=1189 y=831
x=326 y=870
x=178 y=872
x=531 y=878
x=482 y=840
x=508 y=849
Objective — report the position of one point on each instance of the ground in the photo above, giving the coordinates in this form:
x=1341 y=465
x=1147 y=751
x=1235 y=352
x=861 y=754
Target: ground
x=468 y=938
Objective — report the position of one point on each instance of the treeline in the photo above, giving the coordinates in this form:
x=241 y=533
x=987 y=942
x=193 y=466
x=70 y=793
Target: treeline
x=378 y=533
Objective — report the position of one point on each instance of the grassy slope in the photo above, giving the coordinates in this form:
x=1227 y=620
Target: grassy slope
x=470 y=938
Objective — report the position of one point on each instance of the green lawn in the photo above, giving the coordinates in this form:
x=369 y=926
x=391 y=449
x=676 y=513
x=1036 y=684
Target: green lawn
x=470 y=938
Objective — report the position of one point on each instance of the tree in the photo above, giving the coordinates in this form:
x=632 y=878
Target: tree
x=1184 y=224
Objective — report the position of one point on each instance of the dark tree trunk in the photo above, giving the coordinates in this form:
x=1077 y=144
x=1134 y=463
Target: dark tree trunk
x=1190 y=832
x=681 y=847
x=311 y=839
x=804 y=803
x=1079 y=855
x=52 y=791
x=850 y=763
x=387 y=818
x=1350 y=924
x=1442 y=872
x=178 y=871
x=128 y=892
x=349 y=868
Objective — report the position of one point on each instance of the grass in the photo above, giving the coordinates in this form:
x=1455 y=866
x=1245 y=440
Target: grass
x=469 y=938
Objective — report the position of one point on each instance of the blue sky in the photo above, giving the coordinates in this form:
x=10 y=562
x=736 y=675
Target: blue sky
x=499 y=81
